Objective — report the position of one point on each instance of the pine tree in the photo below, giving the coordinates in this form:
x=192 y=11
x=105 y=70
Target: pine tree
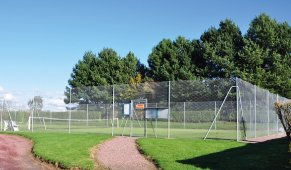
x=221 y=48
x=275 y=39
x=173 y=60
x=92 y=76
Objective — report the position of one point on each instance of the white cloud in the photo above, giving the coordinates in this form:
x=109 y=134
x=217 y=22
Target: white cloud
x=1 y=88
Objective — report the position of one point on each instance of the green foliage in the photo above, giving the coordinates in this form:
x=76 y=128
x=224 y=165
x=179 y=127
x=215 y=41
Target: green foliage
x=221 y=48
x=105 y=69
x=175 y=60
x=273 y=43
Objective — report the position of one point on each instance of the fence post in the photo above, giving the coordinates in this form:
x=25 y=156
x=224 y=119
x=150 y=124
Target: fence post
x=70 y=110
x=215 y=115
x=184 y=115
x=169 y=112
x=255 y=112
x=156 y=118
x=87 y=114
x=107 y=114
x=250 y=115
x=113 y=111
x=268 y=112
x=277 y=120
x=51 y=117
x=32 y=111
x=237 y=117
x=15 y=109
x=2 y=110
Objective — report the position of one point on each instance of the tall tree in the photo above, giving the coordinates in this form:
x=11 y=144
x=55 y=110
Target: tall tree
x=275 y=39
x=221 y=48
x=105 y=69
x=36 y=103
x=175 y=60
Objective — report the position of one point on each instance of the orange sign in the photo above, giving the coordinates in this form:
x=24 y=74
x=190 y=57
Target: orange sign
x=139 y=106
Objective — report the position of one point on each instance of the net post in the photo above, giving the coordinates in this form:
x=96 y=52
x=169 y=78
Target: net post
x=87 y=114
x=169 y=112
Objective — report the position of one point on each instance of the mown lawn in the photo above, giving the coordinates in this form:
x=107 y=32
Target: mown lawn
x=217 y=154
x=72 y=150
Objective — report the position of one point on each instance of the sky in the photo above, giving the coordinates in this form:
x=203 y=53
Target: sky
x=41 y=41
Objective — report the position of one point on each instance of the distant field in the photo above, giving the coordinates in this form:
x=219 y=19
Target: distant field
x=225 y=130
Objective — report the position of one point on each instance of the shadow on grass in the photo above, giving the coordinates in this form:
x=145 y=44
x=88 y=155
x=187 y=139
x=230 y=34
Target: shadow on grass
x=269 y=155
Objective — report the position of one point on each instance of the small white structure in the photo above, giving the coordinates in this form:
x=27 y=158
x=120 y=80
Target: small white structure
x=11 y=125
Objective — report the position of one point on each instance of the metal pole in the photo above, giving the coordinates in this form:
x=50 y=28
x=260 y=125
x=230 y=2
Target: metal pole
x=156 y=118
x=15 y=109
x=184 y=115
x=268 y=107
x=130 y=117
x=237 y=117
x=107 y=114
x=32 y=111
x=2 y=110
x=70 y=111
x=51 y=117
x=250 y=115
x=218 y=112
x=169 y=112
x=87 y=114
x=2 y=113
x=277 y=120
x=113 y=112
x=215 y=114
x=255 y=112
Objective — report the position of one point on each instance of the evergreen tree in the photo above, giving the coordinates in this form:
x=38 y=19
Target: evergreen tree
x=174 y=60
x=275 y=39
x=221 y=48
x=105 y=69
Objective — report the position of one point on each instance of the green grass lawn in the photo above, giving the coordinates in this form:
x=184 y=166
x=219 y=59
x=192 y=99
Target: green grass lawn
x=72 y=150
x=217 y=154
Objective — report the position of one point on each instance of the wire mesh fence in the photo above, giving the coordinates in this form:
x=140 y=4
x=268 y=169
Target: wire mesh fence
x=228 y=109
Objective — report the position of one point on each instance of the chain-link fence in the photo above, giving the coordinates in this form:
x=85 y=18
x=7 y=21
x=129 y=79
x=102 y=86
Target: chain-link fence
x=257 y=116
x=241 y=113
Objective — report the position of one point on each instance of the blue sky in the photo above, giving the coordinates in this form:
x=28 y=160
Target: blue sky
x=41 y=41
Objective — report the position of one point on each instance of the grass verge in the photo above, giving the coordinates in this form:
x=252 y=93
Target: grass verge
x=71 y=150
x=217 y=154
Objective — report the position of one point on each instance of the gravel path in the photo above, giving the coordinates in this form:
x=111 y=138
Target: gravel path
x=264 y=139
x=15 y=153
x=121 y=153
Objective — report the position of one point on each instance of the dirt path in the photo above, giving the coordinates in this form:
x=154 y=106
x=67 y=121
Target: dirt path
x=121 y=153
x=264 y=139
x=15 y=153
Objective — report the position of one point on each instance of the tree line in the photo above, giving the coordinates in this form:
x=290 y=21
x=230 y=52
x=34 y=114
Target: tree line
x=262 y=56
